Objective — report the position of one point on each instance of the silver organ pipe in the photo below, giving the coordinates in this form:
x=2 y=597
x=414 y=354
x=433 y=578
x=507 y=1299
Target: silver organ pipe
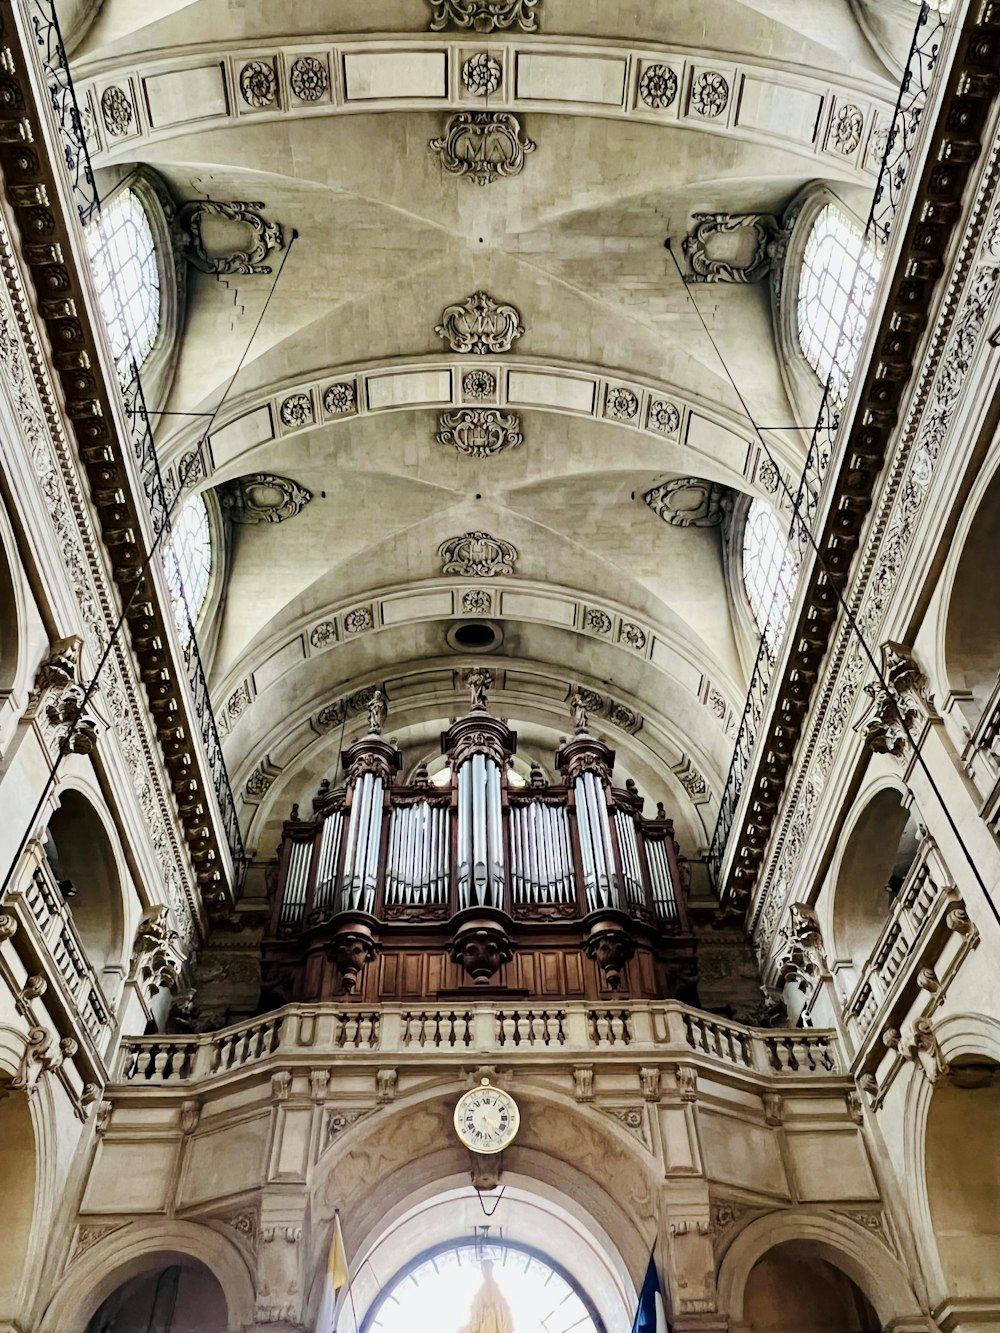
x=596 y=849
x=329 y=850
x=586 y=840
x=293 y=902
x=541 y=854
x=363 y=840
x=480 y=834
x=416 y=874
x=628 y=845
x=664 y=897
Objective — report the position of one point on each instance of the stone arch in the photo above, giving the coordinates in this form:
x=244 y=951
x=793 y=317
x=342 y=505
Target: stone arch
x=842 y=1245
x=142 y=1247
x=969 y=635
x=956 y=1218
x=27 y=1169
x=878 y=843
x=83 y=850
x=569 y=1158
x=179 y=1290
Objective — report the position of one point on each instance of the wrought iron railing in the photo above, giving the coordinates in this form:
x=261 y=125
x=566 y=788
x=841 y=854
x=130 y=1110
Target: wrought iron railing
x=897 y=157
x=73 y=139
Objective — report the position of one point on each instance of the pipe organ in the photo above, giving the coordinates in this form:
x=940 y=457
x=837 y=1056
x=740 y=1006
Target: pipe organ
x=391 y=891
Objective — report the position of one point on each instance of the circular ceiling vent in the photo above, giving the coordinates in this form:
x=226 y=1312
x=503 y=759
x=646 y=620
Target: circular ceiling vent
x=475 y=636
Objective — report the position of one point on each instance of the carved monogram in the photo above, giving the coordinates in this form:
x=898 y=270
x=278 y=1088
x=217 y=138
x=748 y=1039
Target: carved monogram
x=480 y=431
x=480 y=325
x=483 y=146
x=477 y=554
x=484 y=15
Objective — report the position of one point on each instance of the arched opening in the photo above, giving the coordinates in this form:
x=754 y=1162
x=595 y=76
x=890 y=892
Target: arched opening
x=462 y=1283
x=188 y=563
x=770 y=568
x=794 y=1287
x=972 y=635
x=18 y=1177
x=836 y=290
x=962 y=1161
x=176 y=1294
x=122 y=255
x=82 y=859
x=879 y=852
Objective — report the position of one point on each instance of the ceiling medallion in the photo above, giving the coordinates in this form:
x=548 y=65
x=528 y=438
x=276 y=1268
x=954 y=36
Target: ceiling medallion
x=484 y=15
x=116 y=111
x=483 y=145
x=658 y=86
x=262 y=498
x=258 y=84
x=482 y=74
x=480 y=432
x=341 y=399
x=477 y=555
x=309 y=78
x=846 y=129
x=664 y=417
x=709 y=94
x=480 y=325
x=479 y=384
x=688 y=502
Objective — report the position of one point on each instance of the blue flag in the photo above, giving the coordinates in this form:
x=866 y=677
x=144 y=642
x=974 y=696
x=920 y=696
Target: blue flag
x=649 y=1317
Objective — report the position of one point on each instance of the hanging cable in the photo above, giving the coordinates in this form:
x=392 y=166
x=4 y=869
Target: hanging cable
x=851 y=619
x=183 y=476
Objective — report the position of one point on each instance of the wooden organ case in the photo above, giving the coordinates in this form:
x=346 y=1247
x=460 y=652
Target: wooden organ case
x=416 y=892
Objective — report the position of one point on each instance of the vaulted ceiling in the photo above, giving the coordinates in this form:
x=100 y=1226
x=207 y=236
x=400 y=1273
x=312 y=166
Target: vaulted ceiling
x=604 y=593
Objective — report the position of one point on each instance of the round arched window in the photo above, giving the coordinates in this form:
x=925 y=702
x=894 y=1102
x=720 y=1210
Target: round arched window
x=463 y=1285
x=122 y=257
x=769 y=571
x=836 y=289
x=188 y=561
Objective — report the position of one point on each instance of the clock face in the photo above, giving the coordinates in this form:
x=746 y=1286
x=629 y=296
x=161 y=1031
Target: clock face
x=487 y=1119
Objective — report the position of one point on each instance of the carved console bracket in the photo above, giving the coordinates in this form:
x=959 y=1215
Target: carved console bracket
x=482 y=943
x=609 y=942
x=354 y=945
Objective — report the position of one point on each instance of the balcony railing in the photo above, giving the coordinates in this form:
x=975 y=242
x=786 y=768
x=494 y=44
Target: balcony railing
x=308 y=1035
x=80 y=175
x=900 y=147
x=48 y=931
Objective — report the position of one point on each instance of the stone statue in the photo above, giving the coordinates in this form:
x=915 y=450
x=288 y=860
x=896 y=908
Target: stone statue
x=478 y=681
x=377 y=711
x=579 y=713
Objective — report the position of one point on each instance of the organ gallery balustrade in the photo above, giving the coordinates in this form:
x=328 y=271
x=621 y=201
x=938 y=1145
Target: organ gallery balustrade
x=392 y=890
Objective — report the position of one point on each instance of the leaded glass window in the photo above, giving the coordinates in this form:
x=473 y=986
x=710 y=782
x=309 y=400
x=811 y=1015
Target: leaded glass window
x=188 y=562
x=836 y=290
x=769 y=571
x=122 y=257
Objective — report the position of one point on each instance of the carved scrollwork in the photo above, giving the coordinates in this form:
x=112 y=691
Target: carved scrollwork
x=688 y=502
x=262 y=498
x=485 y=15
x=477 y=554
x=480 y=325
x=480 y=432
x=264 y=236
x=483 y=145
x=730 y=247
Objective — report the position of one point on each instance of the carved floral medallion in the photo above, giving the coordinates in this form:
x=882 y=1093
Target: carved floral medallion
x=482 y=74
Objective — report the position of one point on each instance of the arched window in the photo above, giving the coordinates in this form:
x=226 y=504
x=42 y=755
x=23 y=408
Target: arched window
x=444 y=1286
x=836 y=289
x=769 y=571
x=122 y=256
x=188 y=562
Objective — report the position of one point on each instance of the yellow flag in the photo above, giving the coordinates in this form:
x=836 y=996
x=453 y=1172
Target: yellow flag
x=337 y=1262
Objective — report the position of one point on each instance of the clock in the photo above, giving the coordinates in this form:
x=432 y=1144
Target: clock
x=487 y=1118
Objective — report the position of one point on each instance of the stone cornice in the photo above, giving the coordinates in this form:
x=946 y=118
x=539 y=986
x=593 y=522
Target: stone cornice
x=37 y=198
x=934 y=218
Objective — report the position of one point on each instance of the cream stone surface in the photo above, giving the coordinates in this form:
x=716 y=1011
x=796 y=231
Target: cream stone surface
x=798 y=1118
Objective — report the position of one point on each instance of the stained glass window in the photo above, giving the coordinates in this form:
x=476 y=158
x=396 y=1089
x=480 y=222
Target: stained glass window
x=188 y=561
x=122 y=257
x=769 y=571
x=836 y=290
x=443 y=1287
